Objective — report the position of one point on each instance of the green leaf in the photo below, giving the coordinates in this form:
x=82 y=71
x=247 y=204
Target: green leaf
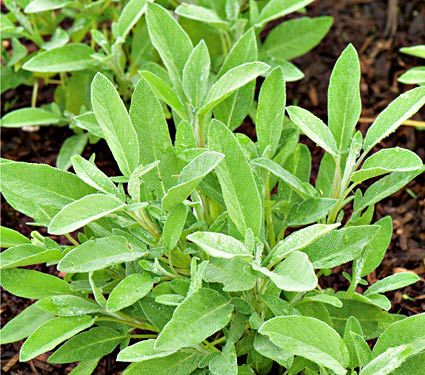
x=240 y=192
x=201 y=14
x=51 y=333
x=98 y=254
x=375 y=251
x=278 y=8
x=299 y=240
x=236 y=274
x=142 y=351
x=27 y=254
x=294 y=38
x=271 y=111
x=36 y=6
x=59 y=38
x=93 y=176
x=29 y=117
x=340 y=246
x=135 y=180
x=267 y=349
x=190 y=177
x=344 y=102
x=32 y=284
x=310 y=211
x=219 y=245
x=225 y=362
x=93 y=344
x=314 y=128
x=10 y=237
x=202 y=314
x=130 y=15
x=23 y=324
x=85 y=367
x=387 y=160
x=309 y=338
x=386 y=186
x=165 y=92
x=129 y=291
x=67 y=305
x=399 y=110
x=116 y=125
x=359 y=350
x=180 y=363
x=413 y=76
x=38 y=190
x=418 y=51
x=73 y=145
x=292 y=181
x=87 y=121
x=232 y=80
x=196 y=74
x=393 y=282
x=294 y=274
x=68 y=58
x=83 y=211
x=174 y=225
x=154 y=139
x=169 y=39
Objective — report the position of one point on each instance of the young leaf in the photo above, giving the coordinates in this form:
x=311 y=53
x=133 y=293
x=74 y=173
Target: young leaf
x=310 y=211
x=142 y=351
x=130 y=15
x=201 y=14
x=22 y=325
x=38 y=190
x=266 y=348
x=359 y=351
x=388 y=160
x=292 y=181
x=32 y=284
x=298 y=241
x=344 y=102
x=10 y=237
x=195 y=75
x=174 y=225
x=73 y=145
x=83 y=211
x=129 y=291
x=219 y=245
x=271 y=111
x=294 y=274
x=154 y=139
x=198 y=317
x=190 y=177
x=51 y=333
x=226 y=362
x=314 y=128
x=277 y=8
x=240 y=192
x=340 y=246
x=36 y=6
x=180 y=363
x=27 y=254
x=135 y=180
x=232 y=80
x=170 y=40
x=95 y=343
x=98 y=254
x=309 y=338
x=295 y=37
x=393 y=282
x=399 y=110
x=68 y=58
x=115 y=123
x=93 y=176
x=67 y=305
x=29 y=117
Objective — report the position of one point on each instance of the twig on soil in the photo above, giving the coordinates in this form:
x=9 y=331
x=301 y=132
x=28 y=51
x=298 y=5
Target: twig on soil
x=418 y=124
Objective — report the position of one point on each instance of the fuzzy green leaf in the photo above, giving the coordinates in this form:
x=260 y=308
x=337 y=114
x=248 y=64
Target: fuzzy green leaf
x=393 y=282
x=29 y=117
x=10 y=237
x=67 y=305
x=27 y=254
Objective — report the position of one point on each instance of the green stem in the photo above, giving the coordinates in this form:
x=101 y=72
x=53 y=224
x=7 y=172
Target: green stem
x=34 y=94
x=71 y=239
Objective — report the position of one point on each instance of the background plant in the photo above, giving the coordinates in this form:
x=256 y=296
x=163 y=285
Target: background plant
x=112 y=37
x=185 y=261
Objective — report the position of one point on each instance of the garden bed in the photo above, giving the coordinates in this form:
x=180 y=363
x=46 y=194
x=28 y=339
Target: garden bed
x=377 y=33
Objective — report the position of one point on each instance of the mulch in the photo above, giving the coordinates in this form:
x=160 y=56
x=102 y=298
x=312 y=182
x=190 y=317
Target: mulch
x=378 y=29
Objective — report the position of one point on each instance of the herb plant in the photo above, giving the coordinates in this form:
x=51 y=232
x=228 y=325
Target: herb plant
x=416 y=75
x=204 y=255
x=71 y=57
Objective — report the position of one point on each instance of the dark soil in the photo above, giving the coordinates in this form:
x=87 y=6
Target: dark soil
x=377 y=28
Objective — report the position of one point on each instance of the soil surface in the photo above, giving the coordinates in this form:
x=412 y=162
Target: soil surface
x=378 y=29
